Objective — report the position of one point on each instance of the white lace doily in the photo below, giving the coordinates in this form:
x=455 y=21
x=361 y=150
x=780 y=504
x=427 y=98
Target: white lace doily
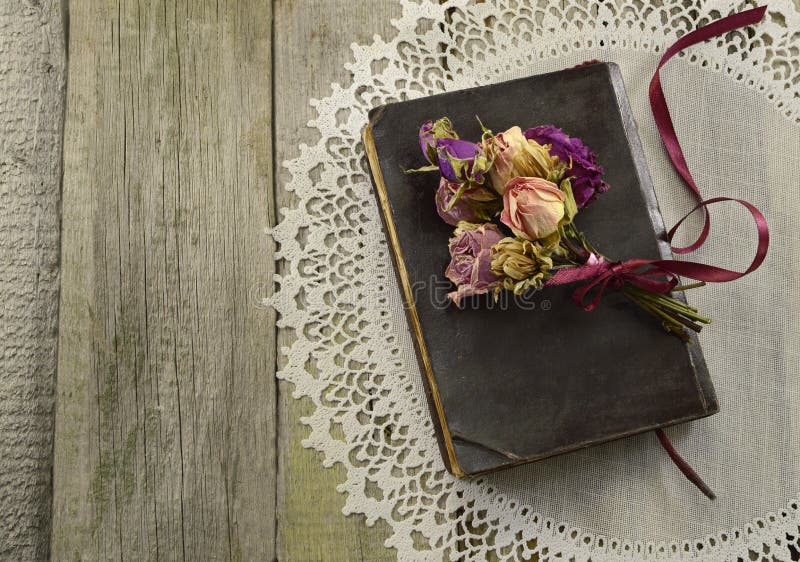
x=736 y=105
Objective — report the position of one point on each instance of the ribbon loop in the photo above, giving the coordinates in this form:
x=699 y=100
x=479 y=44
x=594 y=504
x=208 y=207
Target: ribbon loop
x=711 y=273
x=661 y=276
x=666 y=129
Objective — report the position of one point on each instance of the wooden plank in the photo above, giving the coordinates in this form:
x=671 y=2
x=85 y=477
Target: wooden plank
x=165 y=434
x=31 y=110
x=311 y=46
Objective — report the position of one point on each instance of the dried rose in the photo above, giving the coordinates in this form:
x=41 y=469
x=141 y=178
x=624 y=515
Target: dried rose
x=461 y=161
x=430 y=132
x=463 y=202
x=514 y=156
x=521 y=264
x=470 y=265
x=533 y=208
x=582 y=166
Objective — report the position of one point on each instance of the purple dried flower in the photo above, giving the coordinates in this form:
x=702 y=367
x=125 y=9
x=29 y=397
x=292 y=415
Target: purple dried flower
x=582 y=166
x=461 y=160
x=430 y=132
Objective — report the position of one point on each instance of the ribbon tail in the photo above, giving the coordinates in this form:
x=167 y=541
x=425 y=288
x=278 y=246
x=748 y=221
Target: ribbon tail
x=683 y=466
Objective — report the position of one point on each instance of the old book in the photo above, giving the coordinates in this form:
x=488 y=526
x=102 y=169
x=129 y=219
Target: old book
x=507 y=382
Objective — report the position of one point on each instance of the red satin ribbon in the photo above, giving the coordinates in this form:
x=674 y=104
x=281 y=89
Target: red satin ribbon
x=658 y=103
x=626 y=271
x=661 y=275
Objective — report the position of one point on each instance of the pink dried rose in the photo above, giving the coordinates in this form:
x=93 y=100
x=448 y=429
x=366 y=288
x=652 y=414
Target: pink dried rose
x=532 y=207
x=466 y=207
x=470 y=267
x=514 y=155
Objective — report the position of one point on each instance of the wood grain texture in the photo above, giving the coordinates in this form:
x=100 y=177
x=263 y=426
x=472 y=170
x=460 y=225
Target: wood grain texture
x=31 y=117
x=311 y=46
x=165 y=434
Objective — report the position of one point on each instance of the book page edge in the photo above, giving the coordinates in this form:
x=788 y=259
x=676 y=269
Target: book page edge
x=408 y=298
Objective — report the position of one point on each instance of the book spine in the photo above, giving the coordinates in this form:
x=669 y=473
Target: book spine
x=439 y=424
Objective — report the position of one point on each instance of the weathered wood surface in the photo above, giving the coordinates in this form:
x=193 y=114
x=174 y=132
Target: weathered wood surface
x=168 y=441
x=171 y=440
x=31 y=111
x=311 y=46
x=165 y=422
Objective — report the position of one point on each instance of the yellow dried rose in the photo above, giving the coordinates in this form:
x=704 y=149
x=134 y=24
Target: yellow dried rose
x=515 y=156
x=521 y=264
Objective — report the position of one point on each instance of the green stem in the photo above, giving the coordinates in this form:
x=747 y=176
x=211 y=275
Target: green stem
x=581 y=239
x=675 y=305
x=669 y=323
x=461 y=189
x=423 y=170
x=567 y=238
x=689 y=286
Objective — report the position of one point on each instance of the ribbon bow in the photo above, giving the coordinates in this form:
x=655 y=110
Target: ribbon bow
x=640 y=273
x=601 y=273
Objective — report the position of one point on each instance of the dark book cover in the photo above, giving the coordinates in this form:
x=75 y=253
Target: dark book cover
x=512 y=382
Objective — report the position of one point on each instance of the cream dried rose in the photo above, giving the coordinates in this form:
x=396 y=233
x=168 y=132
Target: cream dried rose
x=513 y=156
x=532 y=207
